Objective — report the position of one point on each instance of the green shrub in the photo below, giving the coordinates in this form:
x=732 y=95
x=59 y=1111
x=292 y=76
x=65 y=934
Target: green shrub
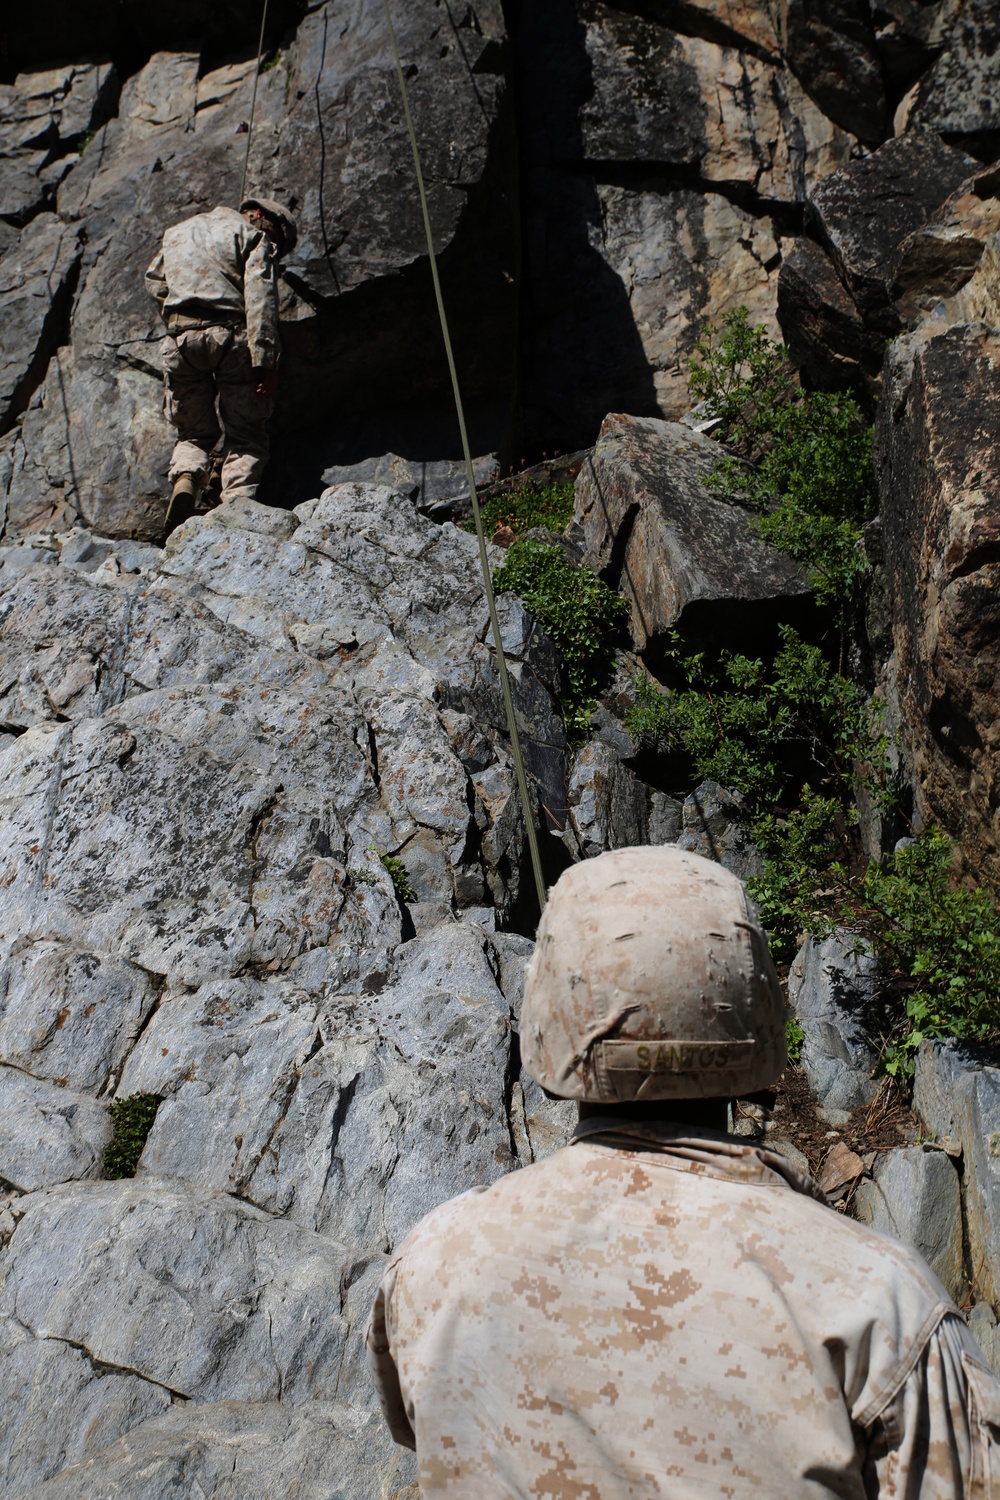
x=801 y=459
x=401 y=883
x=941 y=941
x=794 y=1037
x=762 y=729
x=131 y=1121
x=577 y=610
x=528 y=505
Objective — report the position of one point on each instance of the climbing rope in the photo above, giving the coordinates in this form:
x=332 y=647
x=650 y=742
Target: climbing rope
x=253 y=103
x=508 y=701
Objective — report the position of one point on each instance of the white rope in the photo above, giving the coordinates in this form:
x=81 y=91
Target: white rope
x=508 y=701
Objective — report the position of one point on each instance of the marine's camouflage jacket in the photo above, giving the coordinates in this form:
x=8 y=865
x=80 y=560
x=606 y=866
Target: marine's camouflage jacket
x=658 y=1313
x=216 y=268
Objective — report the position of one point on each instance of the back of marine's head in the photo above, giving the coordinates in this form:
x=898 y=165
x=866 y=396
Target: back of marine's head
x=651 y=979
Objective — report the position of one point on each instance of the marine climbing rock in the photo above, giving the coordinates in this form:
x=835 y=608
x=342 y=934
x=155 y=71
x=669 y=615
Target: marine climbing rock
x=215 y=281
x=660 y=1308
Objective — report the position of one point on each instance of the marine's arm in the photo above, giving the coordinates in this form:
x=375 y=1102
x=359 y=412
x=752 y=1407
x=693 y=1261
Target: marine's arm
x=939 y=1437
x=156 y=281
x=260 y=298
x=383 y=1366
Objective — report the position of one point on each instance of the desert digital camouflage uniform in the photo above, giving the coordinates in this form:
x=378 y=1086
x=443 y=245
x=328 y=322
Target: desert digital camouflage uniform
x=653 y=1313
x=215 y=280
x=659 y=1310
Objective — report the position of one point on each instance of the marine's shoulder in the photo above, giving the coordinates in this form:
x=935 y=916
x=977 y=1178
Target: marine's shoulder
x=482 y=1208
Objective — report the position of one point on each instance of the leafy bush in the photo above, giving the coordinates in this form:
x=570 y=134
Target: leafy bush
x=131 y=1121
x=761 y=729
x=577 y=610
x=942 y=942
x=526 y=506
x=401 y=883
x=801 y=459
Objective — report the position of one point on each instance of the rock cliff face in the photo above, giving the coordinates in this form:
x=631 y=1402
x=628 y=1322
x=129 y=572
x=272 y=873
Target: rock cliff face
x=208 y=751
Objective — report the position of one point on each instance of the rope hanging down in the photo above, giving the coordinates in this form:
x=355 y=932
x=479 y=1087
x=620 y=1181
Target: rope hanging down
x=508 y=701
x=253 y=102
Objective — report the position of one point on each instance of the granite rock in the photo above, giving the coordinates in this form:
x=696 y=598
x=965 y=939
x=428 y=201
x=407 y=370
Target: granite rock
x=672 y=545
x=956 y=1092
x=833 y=991
x=863 y=212
x=913 y=1195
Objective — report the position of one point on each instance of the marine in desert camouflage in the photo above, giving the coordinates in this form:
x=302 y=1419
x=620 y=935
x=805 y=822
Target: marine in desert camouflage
x=659 y=1309
x=215 y=281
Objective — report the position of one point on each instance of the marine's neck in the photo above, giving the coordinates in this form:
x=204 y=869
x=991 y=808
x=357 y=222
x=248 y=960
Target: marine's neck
x=710 y=1114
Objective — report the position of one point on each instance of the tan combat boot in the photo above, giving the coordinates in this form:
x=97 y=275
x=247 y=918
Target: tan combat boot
x=181 y=507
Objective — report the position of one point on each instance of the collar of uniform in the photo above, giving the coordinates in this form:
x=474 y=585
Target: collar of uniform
x=693 y=1148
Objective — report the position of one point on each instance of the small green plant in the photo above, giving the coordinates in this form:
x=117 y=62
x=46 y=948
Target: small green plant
x=577 y=610
x=362 y=875
x=271 y=62
x=528 y=505
x=401 y=883
x=131 y=1121
x=800 y=459
x=794 y=1037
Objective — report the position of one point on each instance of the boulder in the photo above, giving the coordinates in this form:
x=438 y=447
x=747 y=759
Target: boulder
x=714 y=825
x=354 y=1123
x=203 y=1295
x=957 y=97
x=608 y=804
x=938 y=467
x=956 y=1092
x=833 y=991
x=674 y=547
x=831 y=48
x=937 y=260
x=69 y=1014
x=913 y=1195
x=863 y=212
x=821 y=325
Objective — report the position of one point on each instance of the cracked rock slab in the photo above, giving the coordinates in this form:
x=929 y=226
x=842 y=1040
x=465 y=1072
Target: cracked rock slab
x=234 y=1451
x=58 y=1409
x=48 y=1134
x=69 y=1014
x=193 y=1290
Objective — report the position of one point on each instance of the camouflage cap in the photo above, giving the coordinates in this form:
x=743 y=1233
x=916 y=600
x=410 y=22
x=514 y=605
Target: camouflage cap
x=651 y=980
x=281 y=215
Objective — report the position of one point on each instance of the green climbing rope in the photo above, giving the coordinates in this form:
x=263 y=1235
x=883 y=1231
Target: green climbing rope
x=253 y=103
x=508 y=701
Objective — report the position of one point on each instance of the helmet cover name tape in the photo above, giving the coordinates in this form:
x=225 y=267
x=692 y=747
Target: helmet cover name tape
x=674 y=1056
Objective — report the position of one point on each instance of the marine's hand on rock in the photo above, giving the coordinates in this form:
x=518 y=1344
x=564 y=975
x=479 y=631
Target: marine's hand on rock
x=266 y=383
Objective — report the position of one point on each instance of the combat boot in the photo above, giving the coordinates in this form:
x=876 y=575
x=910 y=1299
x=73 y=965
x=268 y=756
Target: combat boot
x=181 y=507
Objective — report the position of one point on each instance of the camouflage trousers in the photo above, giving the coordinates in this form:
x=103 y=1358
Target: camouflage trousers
x=209 y=393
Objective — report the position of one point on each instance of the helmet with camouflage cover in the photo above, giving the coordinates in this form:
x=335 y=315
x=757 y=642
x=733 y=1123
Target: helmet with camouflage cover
x=279 y=215
x=651 y=979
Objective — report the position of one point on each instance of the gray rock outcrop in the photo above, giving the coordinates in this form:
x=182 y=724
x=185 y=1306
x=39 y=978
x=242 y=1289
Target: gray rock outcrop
x=206 y=753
